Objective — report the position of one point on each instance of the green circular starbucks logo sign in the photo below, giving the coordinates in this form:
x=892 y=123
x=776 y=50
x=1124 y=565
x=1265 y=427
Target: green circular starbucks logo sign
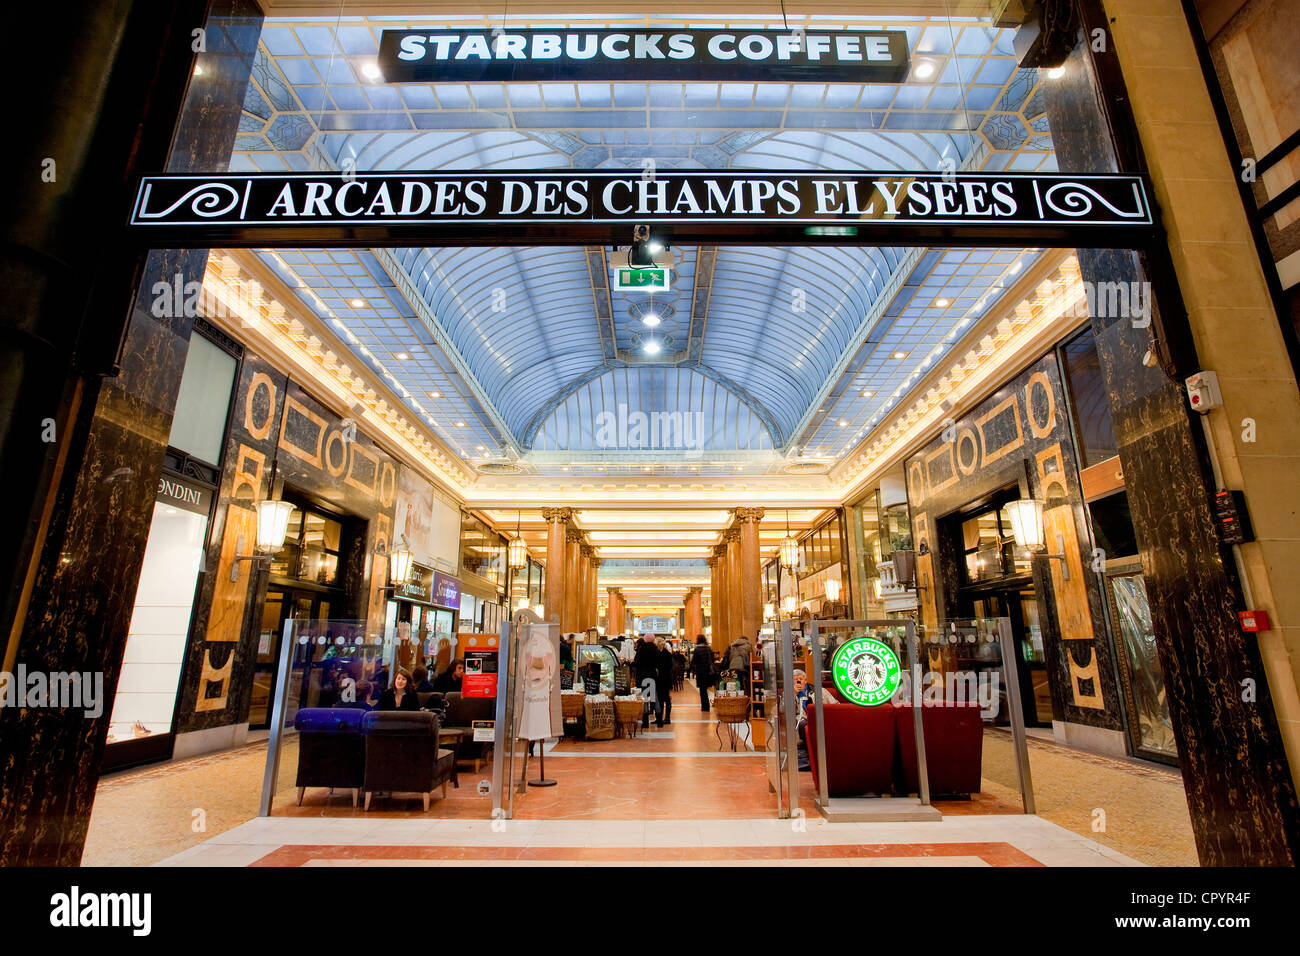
x=866 y=671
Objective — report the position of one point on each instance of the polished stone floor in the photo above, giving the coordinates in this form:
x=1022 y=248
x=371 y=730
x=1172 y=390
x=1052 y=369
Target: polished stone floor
x=666 y=796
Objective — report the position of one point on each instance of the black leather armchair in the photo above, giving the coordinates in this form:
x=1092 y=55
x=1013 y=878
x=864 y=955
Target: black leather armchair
x=461 y=714
x=331 y=751
x=402 y=754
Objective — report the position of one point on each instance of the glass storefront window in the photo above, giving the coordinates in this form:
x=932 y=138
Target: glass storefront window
x=199 y=423
x=311 y=548
x=482 y=551
x=1089 y=400
x=160 y=625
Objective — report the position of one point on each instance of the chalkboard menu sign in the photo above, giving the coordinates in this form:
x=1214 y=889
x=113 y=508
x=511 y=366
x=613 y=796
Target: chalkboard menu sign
x=591 y=678
x=622 y=680
x=566 y=680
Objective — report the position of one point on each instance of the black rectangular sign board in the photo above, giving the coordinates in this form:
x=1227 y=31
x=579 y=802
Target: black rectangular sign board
x=567 y=56
x=575 y=206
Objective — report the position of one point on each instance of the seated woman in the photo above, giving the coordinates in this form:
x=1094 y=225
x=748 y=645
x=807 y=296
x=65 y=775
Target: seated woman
x=420 y=678
x=401 y=696
x=451 y=678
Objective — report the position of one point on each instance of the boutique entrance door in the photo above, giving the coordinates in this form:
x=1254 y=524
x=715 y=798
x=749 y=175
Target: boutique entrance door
x=281 y=605
x=1019 y=605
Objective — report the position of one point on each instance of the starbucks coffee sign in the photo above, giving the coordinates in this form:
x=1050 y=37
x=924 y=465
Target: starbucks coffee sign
x=541 y=56
x=866 y=672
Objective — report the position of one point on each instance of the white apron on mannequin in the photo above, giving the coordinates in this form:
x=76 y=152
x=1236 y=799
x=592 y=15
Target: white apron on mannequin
x=538 y=668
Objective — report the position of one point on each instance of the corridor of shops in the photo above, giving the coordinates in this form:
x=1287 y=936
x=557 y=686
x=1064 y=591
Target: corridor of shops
x=471 y=404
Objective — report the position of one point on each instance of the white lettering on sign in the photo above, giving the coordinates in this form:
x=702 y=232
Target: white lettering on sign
x=178 y=491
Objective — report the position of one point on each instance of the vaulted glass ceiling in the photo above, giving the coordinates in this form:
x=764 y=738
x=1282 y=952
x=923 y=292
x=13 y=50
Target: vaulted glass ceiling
x=510 y=353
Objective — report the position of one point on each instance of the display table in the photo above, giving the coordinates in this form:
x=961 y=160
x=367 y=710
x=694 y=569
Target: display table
x=732 y=715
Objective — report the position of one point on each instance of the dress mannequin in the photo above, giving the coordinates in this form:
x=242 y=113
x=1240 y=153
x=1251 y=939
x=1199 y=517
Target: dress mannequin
x=538 y=666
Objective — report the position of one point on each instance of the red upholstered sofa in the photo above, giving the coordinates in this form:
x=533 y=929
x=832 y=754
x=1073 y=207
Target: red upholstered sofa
x=954 y=748
x=859 y=748
x=871 y=750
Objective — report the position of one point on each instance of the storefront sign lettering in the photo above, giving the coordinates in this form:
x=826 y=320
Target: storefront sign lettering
x=881 y=201
x=531 y=56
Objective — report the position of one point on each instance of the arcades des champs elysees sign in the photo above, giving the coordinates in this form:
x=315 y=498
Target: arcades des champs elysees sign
x=566 y=206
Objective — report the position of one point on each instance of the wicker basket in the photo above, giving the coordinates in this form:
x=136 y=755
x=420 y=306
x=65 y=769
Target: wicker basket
x=629 y=711
x=571 y=705
x=732 y=709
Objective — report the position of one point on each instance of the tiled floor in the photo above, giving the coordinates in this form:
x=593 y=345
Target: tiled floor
x=667 y=796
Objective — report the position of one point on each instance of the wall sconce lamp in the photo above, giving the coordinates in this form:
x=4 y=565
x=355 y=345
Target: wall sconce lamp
x=788 y=604
x=832 y=589
x=399 y=565
x=272 y=526
x=768 y=610
x=1026 y=517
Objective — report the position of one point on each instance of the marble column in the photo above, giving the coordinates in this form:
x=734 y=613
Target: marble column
x=81 y=578
x=751 y=584
x=735 y=606
x=614 y=616
x=721 y=600
x=694 y=623
x=714 y=571
x=557 y=524
x=593 y=599
x=572 y=612
x=587 y=598
x=1238 y=784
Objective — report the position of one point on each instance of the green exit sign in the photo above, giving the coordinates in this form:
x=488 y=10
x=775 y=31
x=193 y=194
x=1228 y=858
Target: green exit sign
x=641 y=280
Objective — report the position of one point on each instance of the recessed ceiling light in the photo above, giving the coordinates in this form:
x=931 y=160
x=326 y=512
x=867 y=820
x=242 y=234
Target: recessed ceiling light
x=651 y=347
x=900 y=355
x=942 y=303
x=460 y=424
x=478 y=448
x=924 y=69
x=651 y=319
x=867 y=394
x=843 y=424
x=565 y=468
x=358 y=303
x=645 y=467
x=401 y=356
x=371 y=71
x=435 y=394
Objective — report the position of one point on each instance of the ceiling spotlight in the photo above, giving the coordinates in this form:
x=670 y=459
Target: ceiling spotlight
x=1056 y=73
x=843 y=423
x=401 y=356
x=651 y=347
x=942 y=303
x=460 y=424
x=435 y=394
x=358 y=303
x=371 y=71
x=650 y=319
x=867 y=394
x=655 y=247
x=924 y=70
x=900 y=355
x=478 y=448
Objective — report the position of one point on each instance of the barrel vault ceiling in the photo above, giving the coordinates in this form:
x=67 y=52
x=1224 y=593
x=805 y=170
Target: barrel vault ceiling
x=781 y=361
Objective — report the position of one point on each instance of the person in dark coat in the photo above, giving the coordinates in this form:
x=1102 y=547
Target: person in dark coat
x=450 y=679
x=665 y=687
x=702 y=664
x=646 y=663
x=401 y=696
